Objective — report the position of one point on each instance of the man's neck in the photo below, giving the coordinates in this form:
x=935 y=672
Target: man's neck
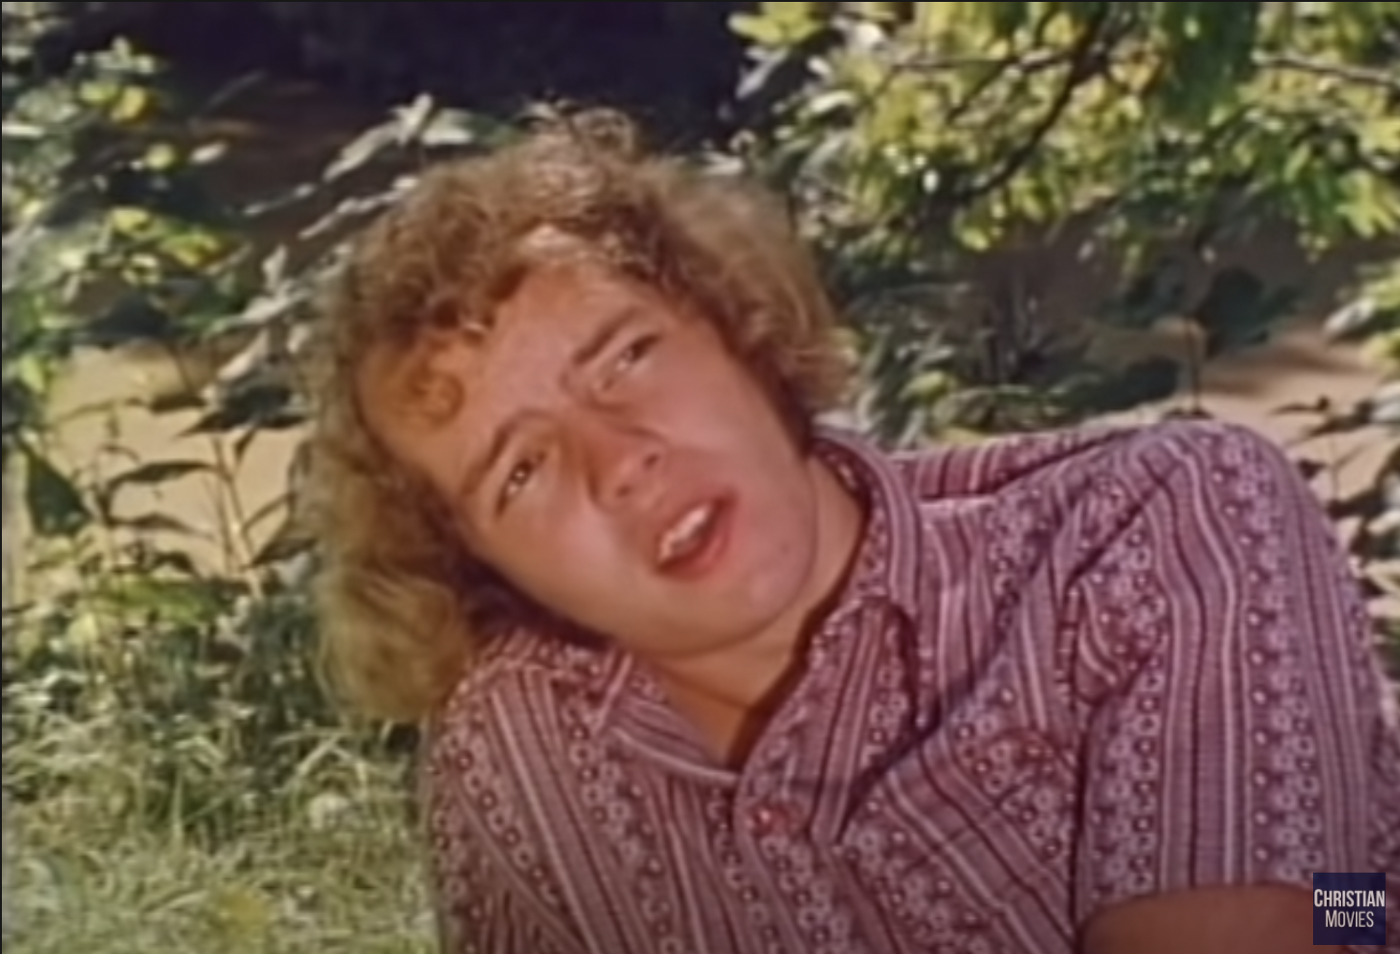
x=729 y=695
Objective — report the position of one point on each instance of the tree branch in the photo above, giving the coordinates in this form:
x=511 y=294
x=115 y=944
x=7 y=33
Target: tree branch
x=1342 y=71
x=1081 y=66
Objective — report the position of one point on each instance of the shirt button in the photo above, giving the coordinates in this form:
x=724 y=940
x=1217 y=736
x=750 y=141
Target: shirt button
x=766 y=819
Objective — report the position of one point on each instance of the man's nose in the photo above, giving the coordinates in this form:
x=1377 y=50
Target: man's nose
x=625 y=463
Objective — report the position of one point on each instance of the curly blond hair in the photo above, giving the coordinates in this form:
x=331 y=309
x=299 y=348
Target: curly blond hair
x=403 y=607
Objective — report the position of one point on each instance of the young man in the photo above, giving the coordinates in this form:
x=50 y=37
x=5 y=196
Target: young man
x=705 y=676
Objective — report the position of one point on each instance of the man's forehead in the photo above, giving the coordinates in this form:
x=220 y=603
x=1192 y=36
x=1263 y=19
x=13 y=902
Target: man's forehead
x=537 y=331
x=566 y=291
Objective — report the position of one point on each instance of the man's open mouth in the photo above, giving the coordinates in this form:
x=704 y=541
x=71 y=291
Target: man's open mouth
x=691 y=542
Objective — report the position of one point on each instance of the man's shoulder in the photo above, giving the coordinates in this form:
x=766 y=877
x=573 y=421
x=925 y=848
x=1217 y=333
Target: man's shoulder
x=1132 y=459
x=1020 y=505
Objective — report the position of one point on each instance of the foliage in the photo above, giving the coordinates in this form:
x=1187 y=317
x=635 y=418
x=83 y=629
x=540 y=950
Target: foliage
x=153 y=697
x=331 y=885
x=161 y=708
x=920 y=137
x=126 y=627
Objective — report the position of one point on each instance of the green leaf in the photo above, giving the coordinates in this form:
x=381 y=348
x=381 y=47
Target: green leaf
x=284 y=544
x=1371 y=206
x=157 y=523
x=158 y=472
x=261 y=405
x=184 y=601
x=1352 y=321
x=55 y=506
x=361 y=151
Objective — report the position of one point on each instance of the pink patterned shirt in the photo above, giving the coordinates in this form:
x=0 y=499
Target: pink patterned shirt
x=1069 y=670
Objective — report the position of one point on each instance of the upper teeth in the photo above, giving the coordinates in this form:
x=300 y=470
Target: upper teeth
x=685 y=532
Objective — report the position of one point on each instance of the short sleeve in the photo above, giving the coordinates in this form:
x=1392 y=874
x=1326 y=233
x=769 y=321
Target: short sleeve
x=481 y=904
x=1238 y=724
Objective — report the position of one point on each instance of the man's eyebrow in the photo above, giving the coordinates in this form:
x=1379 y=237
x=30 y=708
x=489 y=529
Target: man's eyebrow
x=603 y=335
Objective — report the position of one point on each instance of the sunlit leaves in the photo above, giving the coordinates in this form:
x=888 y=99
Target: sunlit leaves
x=962 y=87
x=923 y=136
x=780 y=24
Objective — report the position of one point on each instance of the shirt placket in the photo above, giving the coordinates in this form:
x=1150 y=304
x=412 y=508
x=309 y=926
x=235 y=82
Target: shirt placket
x=773 y=811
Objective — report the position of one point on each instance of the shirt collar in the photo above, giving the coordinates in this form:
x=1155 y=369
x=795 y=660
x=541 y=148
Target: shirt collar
x=891 y=550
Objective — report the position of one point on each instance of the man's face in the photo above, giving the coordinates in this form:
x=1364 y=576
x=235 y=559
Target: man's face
x=605 y=453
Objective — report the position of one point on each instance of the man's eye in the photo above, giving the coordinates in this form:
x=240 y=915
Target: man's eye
x=519 y=477
x=636 y=351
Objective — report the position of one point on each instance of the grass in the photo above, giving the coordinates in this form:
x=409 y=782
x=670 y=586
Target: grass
x=341 y=878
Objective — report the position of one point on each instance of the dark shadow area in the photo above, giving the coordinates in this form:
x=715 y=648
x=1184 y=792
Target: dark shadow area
x=674 y=64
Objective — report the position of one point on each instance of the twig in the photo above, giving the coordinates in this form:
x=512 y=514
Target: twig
x=1342 y=71
x=1081 y=67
